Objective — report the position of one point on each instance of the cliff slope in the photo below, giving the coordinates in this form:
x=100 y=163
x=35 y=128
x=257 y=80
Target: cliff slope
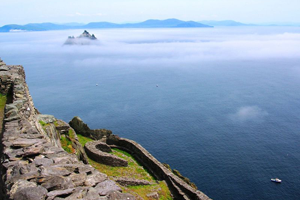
x=33 y=165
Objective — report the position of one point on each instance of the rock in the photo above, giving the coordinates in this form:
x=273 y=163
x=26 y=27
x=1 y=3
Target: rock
x=56 y=183
x=33 y=150
x=43 y=161
x=115 y=195
x=34 y=193
x=54 y=171
x=95 y=178
x=131 y=182
x=22 y=142
x=53 y=194
x=78 y=179
x=104 y=187
x=46 y=118
x=153 y=195
x=81 y=128
x=21 y=184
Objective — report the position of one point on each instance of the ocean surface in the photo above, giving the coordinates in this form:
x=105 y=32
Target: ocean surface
x=221 y=105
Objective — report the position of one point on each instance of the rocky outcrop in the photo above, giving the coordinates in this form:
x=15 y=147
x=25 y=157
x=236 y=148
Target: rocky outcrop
x=59 y=132
x=81 y=128
x=84 y=39
x=100 y=152
x=33 y=165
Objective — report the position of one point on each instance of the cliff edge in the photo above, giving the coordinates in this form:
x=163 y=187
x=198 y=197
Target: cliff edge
x=42 y=158
x=33 y=165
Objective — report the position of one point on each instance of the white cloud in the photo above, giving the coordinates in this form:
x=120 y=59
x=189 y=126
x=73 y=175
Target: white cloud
x=249 y=113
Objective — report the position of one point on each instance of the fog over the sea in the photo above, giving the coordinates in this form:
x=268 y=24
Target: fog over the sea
x=164 y=47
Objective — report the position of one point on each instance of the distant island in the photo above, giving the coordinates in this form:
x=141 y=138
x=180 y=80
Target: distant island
x=152 y=23
x=84 y=39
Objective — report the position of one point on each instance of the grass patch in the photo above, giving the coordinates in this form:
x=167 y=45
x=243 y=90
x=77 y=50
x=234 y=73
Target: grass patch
x=161 y=188
x=2 y=101
x=83 y=140
x=2 y=106
x=66 y=141
x=134 y=170
x=42 y=123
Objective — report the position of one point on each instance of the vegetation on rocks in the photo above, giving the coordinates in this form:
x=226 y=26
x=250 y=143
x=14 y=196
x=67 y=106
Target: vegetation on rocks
x=2 y=105
x=133 y=171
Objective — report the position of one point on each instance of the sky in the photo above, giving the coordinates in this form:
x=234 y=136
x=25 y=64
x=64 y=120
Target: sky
x=121 y=11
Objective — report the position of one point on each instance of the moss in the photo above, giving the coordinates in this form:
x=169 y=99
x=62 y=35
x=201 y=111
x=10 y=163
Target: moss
x=42 y=123
x=167 y=166
x=56 y=124
x=185 y=179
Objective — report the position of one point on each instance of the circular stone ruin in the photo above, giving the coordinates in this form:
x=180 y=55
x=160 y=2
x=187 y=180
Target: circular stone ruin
x=100 y=152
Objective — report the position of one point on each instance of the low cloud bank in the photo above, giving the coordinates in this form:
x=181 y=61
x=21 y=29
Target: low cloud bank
x=158 y=46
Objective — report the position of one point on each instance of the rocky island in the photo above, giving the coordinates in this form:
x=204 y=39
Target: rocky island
x=84 y=39
x=46 y=158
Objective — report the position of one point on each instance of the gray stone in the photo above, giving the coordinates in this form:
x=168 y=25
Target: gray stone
x=54 y=171
x=131 y=182
x=53 y=194
x=78 y=179
x=43 y=161
x=153 y=195
x=46 y=118
x=22 y=142
x=21 y=184
x=115 y=195
x=56 y=183
x=33 y=150
x=95 y=178
x=104 y=187
x=32 y=193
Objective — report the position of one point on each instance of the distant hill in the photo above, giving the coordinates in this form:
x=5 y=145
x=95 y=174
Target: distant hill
x=225 y=23
x=168 y=23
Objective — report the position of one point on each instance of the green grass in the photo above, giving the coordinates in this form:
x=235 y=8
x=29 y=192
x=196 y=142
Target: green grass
x=66 y=141
x=42 y=123
x=134 y=170
x=2 y=101
x=161 y=188
x=2 y=105
x=82 y=139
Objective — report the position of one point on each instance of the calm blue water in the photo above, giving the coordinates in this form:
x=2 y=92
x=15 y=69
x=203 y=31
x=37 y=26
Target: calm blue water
x=226 y=112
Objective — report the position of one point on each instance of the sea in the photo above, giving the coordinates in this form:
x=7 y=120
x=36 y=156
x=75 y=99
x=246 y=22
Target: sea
x=221 y=105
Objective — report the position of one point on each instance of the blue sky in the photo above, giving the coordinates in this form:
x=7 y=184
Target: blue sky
x=62 y=11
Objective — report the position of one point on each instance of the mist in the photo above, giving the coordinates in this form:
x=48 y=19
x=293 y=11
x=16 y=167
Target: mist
x=152 y=47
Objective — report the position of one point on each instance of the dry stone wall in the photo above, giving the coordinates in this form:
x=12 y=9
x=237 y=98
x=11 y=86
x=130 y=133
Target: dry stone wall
x=32 y=166
x=179 y=188
x=98 y=151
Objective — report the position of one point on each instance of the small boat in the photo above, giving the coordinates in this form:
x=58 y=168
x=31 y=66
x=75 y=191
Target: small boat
x=156 y=85
x=276 y=180
x=96 y=84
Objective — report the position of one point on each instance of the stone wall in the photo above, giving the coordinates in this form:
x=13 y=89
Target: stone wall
x=96 y=150
x=32 y=167
x=178 y=187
